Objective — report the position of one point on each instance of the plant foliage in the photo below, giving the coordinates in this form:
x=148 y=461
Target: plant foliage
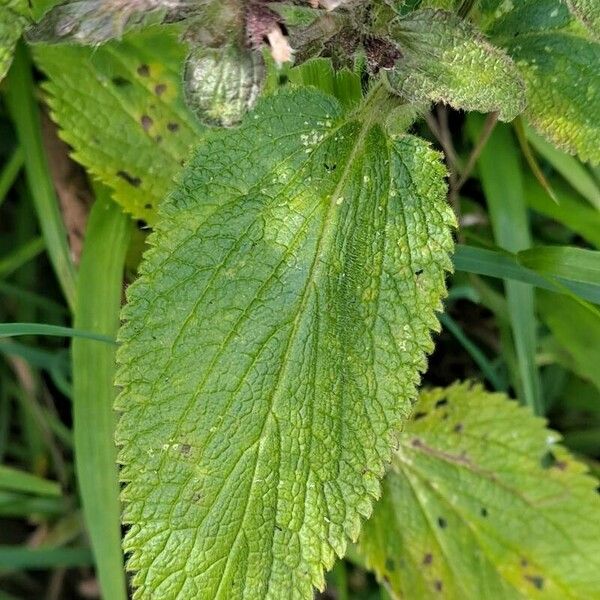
x=300 y=262
x=273 y=342
x=471 y=510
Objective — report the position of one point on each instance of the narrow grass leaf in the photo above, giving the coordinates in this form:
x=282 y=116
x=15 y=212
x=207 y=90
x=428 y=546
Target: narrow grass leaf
x=571 y=209
x=10 y=171
x=22 y=557
x=568 y=166
x=567 y=262
x=504 y=265
x=501 y=177
x=577 y=328
x=480 y=359
x=24 y=111
x=20 y=481
x=16 y=329
x=21 y=256
x=98 y=303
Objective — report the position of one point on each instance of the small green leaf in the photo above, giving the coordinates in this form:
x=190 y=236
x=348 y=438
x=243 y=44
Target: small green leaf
x=121 y=108
x=222 y=84
x=563 y=89
x=482 y=503
x=445 y=59
x=588 y=12
x=272 y=346
x=12 y=21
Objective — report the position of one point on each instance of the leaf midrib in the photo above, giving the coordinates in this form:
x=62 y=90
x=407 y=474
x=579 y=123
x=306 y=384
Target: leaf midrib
x=327 y=231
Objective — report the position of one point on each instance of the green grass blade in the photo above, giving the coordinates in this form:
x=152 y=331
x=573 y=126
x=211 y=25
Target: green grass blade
x=476 y=354
x=501 y=177
x=26 y=297
x=20 y=557
x=16 y=329
x=20 y=94
x=571 y=210
x=98 y=304
x=568 y=166
x=504 y=265
x=9 y=172
x=20 y=256
x=576 y=326
x=576 y=264
x=23 y=505
x=20 y=481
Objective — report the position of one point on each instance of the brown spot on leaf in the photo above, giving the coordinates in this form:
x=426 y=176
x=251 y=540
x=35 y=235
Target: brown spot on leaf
x=120 y=81
x=173 y=127
x=536 y=580
x=438 y=585
x=458 y=428
x=143 y=70
x=148 y=206
x=428 y=559
x=419 y=415
x=130 y=179
x=184 y=448
x=146 y=122
x=441 y=402
x=442 y=522
x=160 y=89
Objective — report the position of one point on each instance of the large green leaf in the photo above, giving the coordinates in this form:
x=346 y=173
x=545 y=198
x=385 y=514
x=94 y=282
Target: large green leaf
x=120 y=106
x=12 y=21
x=482 y=503
x=445 y=59
x=273 y=344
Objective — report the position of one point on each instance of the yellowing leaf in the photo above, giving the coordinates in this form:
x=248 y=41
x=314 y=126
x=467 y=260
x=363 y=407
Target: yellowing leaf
x=120 y=106
x=482 y=503
x=272 y=346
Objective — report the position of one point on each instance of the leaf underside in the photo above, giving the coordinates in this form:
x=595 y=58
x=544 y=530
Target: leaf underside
x=446 y=60
x=120 y=107
x=482 y=503
x=272 y=345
